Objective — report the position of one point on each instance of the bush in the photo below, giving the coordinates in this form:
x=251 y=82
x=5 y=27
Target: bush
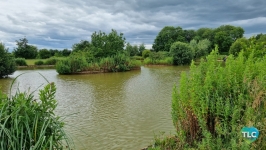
x=7 y=62
x=137 y=57
x=21 y=62
x=182 y=53
x=76 y=62
x=30 y=124
x=50 y=61
x=44 y=54
x=146 y=53
x=39 y=62
x=215 y=102
x=163 y=61
x=63 y=67
x=118 y=63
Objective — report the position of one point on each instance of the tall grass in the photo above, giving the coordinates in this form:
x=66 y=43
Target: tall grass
x=27 y=123
x=215 y=102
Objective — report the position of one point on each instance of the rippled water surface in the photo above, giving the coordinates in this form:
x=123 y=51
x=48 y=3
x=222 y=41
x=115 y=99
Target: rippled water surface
x=109 y=111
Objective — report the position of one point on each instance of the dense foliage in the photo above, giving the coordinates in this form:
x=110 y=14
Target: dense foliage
x=24 y=50
x=80 y=62
x=102 y=44
x=225 y=35
x=159 y=58
x=21 y=62
x=215 y=101
x=182 y=53
x=201 y=48
x=27 y=123
x=7 y=62
x=222 y=36
x=166 y=37
x=146 y=53
x=51 y=61
x=238 y=45
x=39 y=62
x=256 y=44
x=44 y=53
x=132 y=50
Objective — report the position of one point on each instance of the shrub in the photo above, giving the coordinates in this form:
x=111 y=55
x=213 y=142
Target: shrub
x=163 y=61
x=63 y=67
x=146 y=53
x=21 y=62
x=50 y=61
x=182 y=53
x=215 y=102
x=76 y=62
x=7 y=62
x=44 y=54
x=138 y=57
x=134 y=63
x=166 y=61
x=30 y=124
x=118 y=63
x=39 y=62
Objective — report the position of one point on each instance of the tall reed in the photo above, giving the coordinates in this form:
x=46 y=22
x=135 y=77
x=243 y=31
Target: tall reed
x=28 y=123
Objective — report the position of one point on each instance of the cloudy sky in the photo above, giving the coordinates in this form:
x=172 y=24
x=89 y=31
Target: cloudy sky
x=61 y=23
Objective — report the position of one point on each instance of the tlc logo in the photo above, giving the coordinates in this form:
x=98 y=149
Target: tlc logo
x=250 y=134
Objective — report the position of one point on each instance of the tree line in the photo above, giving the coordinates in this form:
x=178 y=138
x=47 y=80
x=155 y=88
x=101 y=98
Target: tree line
x=222 y=36
x=27 y=51
x=185 y=45
x=172 y=45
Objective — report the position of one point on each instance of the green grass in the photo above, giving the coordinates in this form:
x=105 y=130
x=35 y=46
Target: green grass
x=32 y=61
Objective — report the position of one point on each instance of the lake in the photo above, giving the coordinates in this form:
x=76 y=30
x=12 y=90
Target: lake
x=116 y=111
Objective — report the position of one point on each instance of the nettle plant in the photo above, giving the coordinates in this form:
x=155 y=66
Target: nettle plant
x=215 y=100
x=27 y=123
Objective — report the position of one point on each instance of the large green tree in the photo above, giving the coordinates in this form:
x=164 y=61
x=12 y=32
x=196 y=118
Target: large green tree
x=83 y=45
x=103 y=45
x=132 y=50
x=238 y=45
x=167 y=36
x=24 y=50
x=204 y=33
x=141 y=49
x=7 y=62
x=201 y=48
x=189 y=35
x=226 y=35
x=182 y=53
x=44 y=53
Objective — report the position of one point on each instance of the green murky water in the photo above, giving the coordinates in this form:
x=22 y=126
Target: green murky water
x=109 y=111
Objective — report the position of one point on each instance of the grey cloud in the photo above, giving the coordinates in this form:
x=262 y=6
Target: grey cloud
x=61 y=23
